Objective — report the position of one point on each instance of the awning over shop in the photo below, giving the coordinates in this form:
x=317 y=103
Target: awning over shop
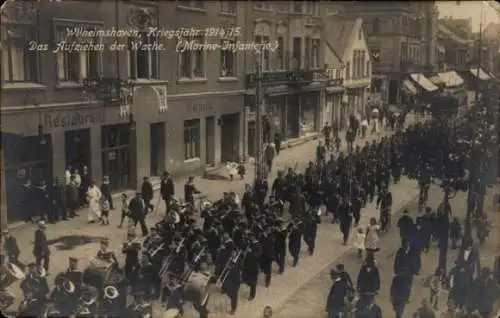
x=410 y=87
x=424 y=82
x=451 y=79
x=482 y=74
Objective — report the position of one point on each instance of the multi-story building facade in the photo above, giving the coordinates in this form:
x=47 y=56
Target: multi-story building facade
x=175 y=111
x=296 y=28
x=401 y=37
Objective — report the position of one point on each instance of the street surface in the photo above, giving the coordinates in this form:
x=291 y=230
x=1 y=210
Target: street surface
x=78 y=239
x=310 y=300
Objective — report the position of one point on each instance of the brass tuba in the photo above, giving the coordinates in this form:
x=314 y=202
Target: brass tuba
x=110 y=293
x=88 y=297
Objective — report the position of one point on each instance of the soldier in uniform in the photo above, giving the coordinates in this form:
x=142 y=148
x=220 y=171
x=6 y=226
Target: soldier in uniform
x=75 y=276
x=280 y=235
x=260 y=191
x=250 y=267
x=310 y=231
x=268 y=253
x=131 y=250
x=105 y=254
x=35 y=284
x=294 y=242
x=231 y=285
x=41 y=249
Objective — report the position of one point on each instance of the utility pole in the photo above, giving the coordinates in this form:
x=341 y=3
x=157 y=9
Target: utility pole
x=479 y=57
x=258 y=119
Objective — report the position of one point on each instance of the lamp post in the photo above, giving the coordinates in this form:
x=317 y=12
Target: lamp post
x=258 y=118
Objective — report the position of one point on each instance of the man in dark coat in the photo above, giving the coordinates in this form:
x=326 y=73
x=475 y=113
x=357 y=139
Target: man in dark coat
x=370 y=309
x=11 y=248
x=335 y=303
x=294 y=242
x=406 y=226
x=137 y=209
x=59 y=201
x=231 y=285
x=190 y=191
x=72 y=199
x=368 y=282
x=167 y=189
x=400 y=293
x=41 y=249
x=147 y=193
x=250 y=268
x=407 y=262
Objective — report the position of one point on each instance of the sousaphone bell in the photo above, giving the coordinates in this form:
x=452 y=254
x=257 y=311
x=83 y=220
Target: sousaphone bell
x=111 y=292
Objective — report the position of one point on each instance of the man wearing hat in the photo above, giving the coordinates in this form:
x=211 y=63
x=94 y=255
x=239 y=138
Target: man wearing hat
x=41 y=249
x=190 y=191
x=167 y=190
x=335 y=303
x=147 y=193
x=11 y=248
x=35 y=284
x=73 y=274
x=105 y=254
x=58 y=198
x=106 y=192
x=137 y=208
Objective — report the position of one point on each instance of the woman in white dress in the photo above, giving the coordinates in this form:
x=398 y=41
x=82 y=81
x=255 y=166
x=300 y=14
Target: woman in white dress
x=93 y=197
x=372 y=236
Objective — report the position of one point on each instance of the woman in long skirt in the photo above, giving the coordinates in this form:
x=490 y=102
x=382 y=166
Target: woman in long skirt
x=93 y=198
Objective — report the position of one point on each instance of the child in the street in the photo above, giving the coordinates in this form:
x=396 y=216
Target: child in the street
x=104 y=211
x=124 y=209
x=435 y=287
x=359 y=241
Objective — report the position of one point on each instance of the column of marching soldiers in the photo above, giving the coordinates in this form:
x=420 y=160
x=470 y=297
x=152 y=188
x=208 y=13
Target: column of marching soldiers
x=179 y=261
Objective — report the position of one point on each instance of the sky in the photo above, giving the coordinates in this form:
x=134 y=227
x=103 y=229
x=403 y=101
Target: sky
x=468 y=9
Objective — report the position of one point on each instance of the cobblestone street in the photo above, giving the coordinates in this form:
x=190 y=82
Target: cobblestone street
x=77 y=238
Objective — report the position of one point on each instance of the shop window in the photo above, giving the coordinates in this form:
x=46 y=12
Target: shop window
x=143 y=62
x=19 y=64
x=115 y=136
x=228 y=6
x=308 y=114
x=192 y=62
x=191 y=139
x=227 y=60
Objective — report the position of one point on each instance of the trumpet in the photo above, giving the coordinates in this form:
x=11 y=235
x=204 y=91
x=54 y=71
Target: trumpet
x=157 y=250
x=227 y=269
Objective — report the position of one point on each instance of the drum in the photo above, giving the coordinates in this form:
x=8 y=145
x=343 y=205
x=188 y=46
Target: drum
x=100 y=273
x=197 y=288
x=9 y=273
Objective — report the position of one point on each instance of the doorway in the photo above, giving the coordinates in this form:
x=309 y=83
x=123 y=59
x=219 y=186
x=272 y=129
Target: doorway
x=210 y=141
x=230 y=137
x=115 y=151
x=157 y=148
x=25 y=158
x=77 y=149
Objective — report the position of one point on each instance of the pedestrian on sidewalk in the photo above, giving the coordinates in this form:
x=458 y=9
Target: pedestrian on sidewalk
x=147 y=194
x=137 y=209
x=277 y=142
x=364 y=127
x=167 y=190
x=72 y=197
x=435 y=287
x=368 y=281
x=106 y=192
x=41 y=249
x=93 y=198
x=105 y=211
x=11 y=248
x=124 y=210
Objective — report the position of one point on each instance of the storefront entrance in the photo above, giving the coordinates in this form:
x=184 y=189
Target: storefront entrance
x=77 y=149
x=115 y=147
x=25 y=159
x=210 y=141
x=157 y=148
x=292 y=116
x=309 y=113
x=230 y=136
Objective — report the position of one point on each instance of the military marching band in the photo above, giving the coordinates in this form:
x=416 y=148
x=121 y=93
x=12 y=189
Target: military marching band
x=179 y=260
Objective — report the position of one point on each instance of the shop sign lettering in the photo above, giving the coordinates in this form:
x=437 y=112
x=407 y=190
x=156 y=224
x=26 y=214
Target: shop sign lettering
x=73 y=120
x=199 y=107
